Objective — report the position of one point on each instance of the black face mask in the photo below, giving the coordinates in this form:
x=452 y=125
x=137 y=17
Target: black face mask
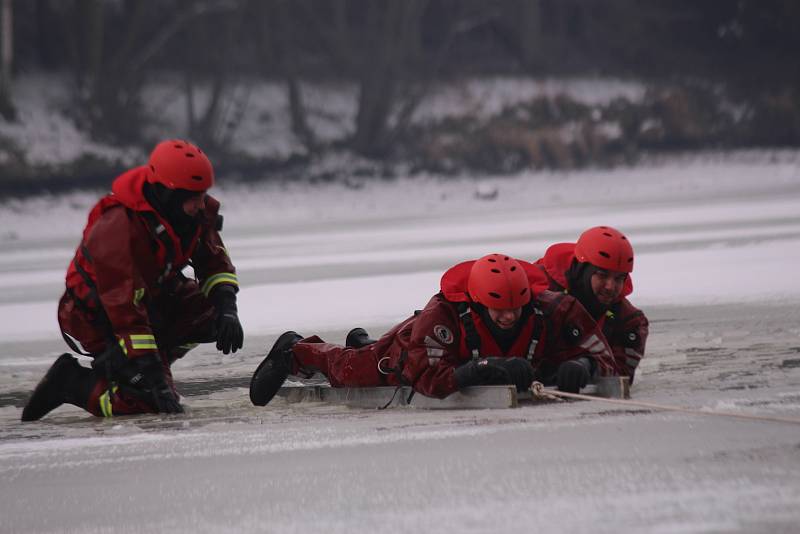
x=579 y=278
x=169 y=204
x=504 y=338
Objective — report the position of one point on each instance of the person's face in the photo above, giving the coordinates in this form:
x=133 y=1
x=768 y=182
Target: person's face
x=194 y=204
x=505 y=318
x=607 y=285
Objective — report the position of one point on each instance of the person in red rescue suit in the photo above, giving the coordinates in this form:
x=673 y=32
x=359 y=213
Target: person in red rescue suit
x=596 y=270
x=491 y=323
x=127 y=303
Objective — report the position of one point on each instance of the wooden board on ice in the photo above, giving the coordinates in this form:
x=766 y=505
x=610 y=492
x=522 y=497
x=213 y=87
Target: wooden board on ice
x=474 y=397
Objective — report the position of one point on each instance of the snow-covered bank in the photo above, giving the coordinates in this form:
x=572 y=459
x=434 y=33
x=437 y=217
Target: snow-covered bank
x=47 y=135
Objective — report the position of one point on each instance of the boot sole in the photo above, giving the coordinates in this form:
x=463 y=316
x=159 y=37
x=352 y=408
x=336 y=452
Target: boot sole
x=39 y=391
x=266 y=382
x=358 y=338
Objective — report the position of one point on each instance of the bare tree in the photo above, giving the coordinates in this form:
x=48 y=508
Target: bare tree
x=213 y=124
x=7 y=109
x=111 y=69
x=288 y=63
x=380 y=45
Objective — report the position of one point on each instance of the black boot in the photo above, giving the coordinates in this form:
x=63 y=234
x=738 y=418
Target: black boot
x=357 y=338
x=65 y=382
x=272 y=372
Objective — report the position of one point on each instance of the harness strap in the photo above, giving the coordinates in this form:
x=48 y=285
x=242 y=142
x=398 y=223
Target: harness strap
x=79 y=302
x=398 y=373
x=86 y=279
x=538 y=325
x=398 y=370
x=158 y=230
x=101 y=320
x=609 y=323
x=389 y=403
x=473 y=339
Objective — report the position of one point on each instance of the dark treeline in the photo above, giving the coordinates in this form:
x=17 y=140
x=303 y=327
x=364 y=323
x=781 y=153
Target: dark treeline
x=394 y=49
x=726 y=38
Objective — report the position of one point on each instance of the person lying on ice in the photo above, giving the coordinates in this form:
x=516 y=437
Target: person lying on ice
x=128 y=306
x=596 y=271
x=488 y=325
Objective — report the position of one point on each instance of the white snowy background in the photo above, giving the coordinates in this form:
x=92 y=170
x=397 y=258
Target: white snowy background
x=717 y=239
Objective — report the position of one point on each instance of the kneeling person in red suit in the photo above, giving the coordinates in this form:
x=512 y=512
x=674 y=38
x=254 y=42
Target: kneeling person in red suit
x=127 y=303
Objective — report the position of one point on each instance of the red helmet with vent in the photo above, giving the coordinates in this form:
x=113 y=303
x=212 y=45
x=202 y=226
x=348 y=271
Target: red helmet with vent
x=178 y=164
x=499 y=281
x=606 y=248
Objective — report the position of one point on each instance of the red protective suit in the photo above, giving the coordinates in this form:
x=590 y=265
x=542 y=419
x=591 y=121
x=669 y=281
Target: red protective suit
x=124 y=284
x=624 y=326
x=425 y=349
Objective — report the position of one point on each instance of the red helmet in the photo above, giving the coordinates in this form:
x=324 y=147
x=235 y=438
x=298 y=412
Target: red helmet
x=178 y=164
x=606 y=248
x=499 y=281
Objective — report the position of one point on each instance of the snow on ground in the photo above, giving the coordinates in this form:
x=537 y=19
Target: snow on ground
x=483 y=98
x=43 y=129
x=717 y=240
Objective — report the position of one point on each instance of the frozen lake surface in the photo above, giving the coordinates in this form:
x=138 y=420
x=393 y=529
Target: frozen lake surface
x=718 y=244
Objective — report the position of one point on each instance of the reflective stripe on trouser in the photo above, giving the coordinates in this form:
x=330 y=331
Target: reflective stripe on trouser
x=105 y=403
x=119 y=402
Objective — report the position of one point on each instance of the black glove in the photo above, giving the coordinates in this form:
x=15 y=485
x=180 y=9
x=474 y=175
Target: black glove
x=145 y=377
x=230 y=335
x=573 y=375
x=483 y=372
x=519 y=369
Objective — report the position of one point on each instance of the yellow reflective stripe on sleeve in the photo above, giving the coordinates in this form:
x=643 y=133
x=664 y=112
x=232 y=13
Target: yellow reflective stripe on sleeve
x=124 y=348
x=220 y=278
x=143 y=341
